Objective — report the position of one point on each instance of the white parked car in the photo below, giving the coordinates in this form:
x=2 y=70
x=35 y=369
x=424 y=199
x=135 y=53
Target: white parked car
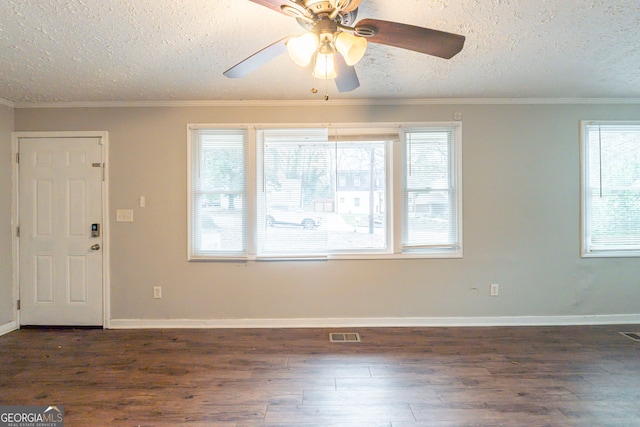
x=290 y=215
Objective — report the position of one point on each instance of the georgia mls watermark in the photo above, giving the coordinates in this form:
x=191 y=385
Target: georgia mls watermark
x=31 y=416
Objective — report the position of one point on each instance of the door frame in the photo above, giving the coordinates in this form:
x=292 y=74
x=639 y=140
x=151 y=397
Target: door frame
x=15 y=214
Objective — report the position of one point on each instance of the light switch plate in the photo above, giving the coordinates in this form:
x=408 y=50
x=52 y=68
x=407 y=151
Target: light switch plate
x=124 y=215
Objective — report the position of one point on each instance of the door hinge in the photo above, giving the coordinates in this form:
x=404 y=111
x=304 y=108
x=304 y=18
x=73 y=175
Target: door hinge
x=18 y=231
x=17 y=157
x=18 y=304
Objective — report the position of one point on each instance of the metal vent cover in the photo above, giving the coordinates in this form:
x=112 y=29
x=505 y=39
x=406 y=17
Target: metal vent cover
x=631 y=335
x=344 y=337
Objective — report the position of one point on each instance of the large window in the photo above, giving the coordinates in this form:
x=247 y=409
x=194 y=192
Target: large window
x=324 y=192
x=610 y=189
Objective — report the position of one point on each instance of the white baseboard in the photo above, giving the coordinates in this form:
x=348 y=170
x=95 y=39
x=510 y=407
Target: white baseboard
x=8 y=327
x=615 y=319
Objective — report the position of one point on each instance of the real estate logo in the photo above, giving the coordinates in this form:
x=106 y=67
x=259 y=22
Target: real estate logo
x=31 y=416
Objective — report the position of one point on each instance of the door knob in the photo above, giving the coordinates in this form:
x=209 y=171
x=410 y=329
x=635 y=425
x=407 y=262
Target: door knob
x=95 y=247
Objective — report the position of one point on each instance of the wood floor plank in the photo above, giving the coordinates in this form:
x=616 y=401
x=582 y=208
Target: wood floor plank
x=512 y=393
x=494 y=415
x=405 y=396
x=459 y=415
x=323 y=424
x=333 y=359
x=376 y=384
x=345 y=413
x=601 y=413
x=428 y=370
x=609 y=393
x=495 y=421
x=313 y=372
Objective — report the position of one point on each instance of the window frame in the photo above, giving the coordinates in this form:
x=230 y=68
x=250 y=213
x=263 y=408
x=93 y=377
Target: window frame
x=248 y=193
x=587 y=250
x=454 y=170
x=395 y=186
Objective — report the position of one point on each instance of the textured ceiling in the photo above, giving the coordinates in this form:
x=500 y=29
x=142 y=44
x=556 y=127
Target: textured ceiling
x=162 y=50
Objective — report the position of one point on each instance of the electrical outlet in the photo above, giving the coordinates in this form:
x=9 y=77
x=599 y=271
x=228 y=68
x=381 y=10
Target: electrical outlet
x=494 y=289
x=157 y=292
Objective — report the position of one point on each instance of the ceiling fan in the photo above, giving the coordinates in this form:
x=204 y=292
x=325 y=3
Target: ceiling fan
x=335 y=44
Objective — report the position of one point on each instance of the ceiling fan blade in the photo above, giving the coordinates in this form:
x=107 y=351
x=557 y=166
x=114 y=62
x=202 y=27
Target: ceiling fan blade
x=258 y=59
x=272 y=4
x=347 y=79
x=419 y=39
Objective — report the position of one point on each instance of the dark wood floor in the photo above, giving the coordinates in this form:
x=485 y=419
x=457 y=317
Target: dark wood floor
x=399 y=377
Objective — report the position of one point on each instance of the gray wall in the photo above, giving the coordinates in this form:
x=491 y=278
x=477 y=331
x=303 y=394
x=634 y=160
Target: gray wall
x=6 y=270
x=521 y=222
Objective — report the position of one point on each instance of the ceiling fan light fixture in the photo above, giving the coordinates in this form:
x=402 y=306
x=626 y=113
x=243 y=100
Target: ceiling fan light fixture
x=351 y=47
x=325 y=68
x=302 y=48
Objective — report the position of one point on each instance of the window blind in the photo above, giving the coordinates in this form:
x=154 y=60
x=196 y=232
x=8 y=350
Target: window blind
x=612 y=189
x=431 y=191
x=218 y=223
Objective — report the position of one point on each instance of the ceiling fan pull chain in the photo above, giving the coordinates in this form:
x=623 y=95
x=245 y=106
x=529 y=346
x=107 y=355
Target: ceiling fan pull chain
x=326 y=84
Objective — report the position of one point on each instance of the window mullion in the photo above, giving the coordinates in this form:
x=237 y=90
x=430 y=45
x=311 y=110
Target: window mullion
x=251 y=190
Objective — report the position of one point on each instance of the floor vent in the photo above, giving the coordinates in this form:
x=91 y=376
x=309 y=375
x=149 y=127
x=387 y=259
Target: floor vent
x=344 y=337
x=632 y=335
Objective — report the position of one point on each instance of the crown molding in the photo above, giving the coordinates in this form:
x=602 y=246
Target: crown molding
x=7 y=103
x=318 y=103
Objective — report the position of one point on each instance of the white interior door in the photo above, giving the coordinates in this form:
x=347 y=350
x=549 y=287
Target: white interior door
x=60 y=262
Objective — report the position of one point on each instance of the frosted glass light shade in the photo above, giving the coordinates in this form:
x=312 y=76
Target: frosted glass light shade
x=325 y=67
x=302 y=48
x=351 y=47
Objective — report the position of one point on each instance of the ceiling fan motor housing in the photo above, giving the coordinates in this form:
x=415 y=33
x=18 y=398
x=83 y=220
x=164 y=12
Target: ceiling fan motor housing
x=325 y=26
x=316 y=9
